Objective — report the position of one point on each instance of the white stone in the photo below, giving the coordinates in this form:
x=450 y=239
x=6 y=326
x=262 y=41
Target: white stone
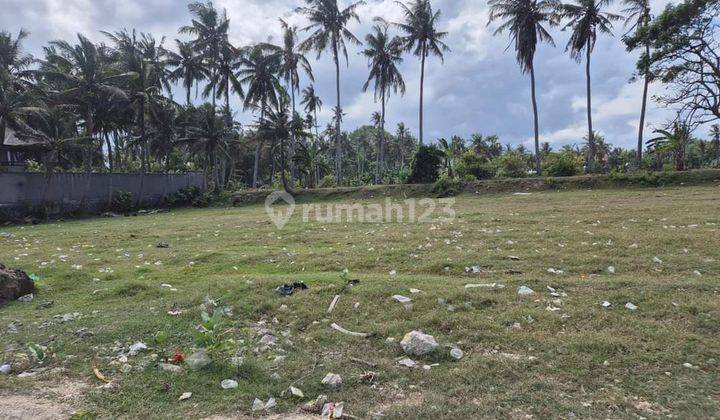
x=525 y=291
x=630 y=306
x=185 y=396
x=606 y=304
x=5 y=369
x=296 y=392
x=407 y=362
x=418 y=343
x=228 y=384
x=332 y=380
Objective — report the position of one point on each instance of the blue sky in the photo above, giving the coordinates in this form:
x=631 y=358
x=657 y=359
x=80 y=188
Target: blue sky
x=478 y=88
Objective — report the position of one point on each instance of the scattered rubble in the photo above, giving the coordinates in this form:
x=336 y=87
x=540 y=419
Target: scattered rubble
x=332 y=380
x=525 y=291
x=228 y=384
x=14 y=284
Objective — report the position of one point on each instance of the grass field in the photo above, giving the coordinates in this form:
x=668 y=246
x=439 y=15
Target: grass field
x=538 y=355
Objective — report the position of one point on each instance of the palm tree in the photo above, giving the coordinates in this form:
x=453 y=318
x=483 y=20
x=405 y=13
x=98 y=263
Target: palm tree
x=312 y=103
x=13 y=62
x=188 y=67
x=452 y=150
x=329 y=26
x=86 y=79
x=278 y=125
x=210 y=29
x=586 y=19
x=225 y=80
x=524 y=20
x=404 y=140
x=637 y=17
x=259 y=73
x=384 y=54
x=207 y=135
x=292 y=60
x=673 y=140
x=423 y=38
x=310 y=158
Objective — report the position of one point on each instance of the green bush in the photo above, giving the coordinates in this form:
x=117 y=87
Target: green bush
x=511 y=165
x=562 y=164
x=473 y=165
x=189 y=196
x=446 y=186
x=328 y=181
x=425 y=165
x=122 y=202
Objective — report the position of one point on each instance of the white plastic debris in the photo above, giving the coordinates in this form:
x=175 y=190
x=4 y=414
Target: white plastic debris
x=605 y=304
x=332 y=380
x=611 y=269
x=332 y=410
x=525 y=291
x=296 y=392
x=697 y=273
x=484 y=285
x=657 y=260
x=456 y=353
x=630 y=306
x=418 y=343
x=554 y=271
x=402 y=299
x=415 y=291
x=228 y=384
x=185 y=396
x=137 y=348
x=5 y=369
x=407 y=362
x=475 y=269
x=393 y=272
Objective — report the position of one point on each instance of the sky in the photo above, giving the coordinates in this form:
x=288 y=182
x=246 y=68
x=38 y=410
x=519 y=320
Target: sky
x=477 y=88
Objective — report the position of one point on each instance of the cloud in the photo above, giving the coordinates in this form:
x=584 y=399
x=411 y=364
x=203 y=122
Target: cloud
x=478 y=88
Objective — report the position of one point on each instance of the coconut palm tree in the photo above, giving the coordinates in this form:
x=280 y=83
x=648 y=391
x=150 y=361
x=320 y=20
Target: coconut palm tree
x=715 y=134
x=188 y=67
x=86 y=78
x=423 y=38
x=225 y=81
x=258 y=73
x=13 y=61
x=637 y=17
x=329 y=26
x=673 y=140
x=207 y=135
x=384 y=55
x=525 y=20
x=587 y=18
x=312 y=103
x=310 y=158
x=210 y=29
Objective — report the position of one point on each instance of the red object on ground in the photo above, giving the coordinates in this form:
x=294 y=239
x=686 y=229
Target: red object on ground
x=178 y=358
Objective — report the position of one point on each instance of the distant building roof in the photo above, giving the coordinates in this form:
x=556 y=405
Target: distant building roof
x=12 y=140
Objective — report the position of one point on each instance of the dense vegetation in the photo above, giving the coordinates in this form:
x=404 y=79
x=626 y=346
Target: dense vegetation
x=109 y=106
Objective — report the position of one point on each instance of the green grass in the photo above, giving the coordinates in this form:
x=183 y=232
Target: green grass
x=520 y=359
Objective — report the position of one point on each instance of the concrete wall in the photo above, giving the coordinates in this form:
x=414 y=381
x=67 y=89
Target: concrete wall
x=68 y=192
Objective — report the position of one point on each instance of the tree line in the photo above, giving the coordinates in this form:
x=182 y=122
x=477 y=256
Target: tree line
x=110 y=105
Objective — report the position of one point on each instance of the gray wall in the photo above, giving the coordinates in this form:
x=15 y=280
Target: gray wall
x=68 y=192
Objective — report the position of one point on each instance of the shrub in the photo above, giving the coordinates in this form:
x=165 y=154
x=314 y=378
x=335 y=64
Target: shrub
x=425 y=166
x=122 y=202
x=562 y=164
x=473 y=165
x=189 y=196
x=511 y=165
x=446 y=186
x=328 y=181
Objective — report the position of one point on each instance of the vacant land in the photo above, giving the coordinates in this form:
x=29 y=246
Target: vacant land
x=539 y=355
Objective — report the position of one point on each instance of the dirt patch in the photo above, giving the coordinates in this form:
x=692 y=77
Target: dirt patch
x=59 y=401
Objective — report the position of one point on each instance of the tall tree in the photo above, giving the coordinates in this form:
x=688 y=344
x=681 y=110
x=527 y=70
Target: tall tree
x=384 y=55
x=210 y=29
x=87 y=79
x=586 y=18
x=15 y=97
x=525 y=20
x=187 y=67
x=329 y=26
x=715 y=134
x=312 y=103
x=258 y=73
x=292 y=61
x=637 y=18
x=423 y=38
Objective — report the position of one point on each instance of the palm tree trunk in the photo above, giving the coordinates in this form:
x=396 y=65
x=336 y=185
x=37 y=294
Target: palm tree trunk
x=422 y=90
x=293 y=140
x=642 y=112
x=338 y=146
x=258 y=146
x=317 y=132
x=110 y=153
x=538 y=167
x=591 y=140
x=187 y=91
x=381 y=146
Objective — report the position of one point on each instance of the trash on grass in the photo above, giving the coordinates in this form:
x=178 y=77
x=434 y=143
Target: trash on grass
x=344 y=331
x=418 y=343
